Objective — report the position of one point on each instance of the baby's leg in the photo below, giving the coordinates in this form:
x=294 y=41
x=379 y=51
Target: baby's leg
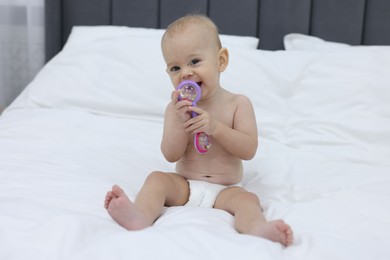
x=158 y=190
x=248 y=216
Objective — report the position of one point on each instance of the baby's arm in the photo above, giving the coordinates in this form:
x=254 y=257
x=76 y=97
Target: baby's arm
x=240 y=139
x=175 y=139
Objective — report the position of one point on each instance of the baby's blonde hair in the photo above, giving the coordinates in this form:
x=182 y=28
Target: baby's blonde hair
x=193 y=19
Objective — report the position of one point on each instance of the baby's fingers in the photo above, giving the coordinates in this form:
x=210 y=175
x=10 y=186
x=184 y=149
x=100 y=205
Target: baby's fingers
x=194 y=125
x=197 y=110
x=175 y=96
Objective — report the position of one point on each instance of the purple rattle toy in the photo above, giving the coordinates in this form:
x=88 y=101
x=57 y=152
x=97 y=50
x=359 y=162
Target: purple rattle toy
x=190 y=90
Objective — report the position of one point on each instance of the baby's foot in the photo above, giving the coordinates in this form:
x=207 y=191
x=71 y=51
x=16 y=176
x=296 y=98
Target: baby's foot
x=123 y=211
x=276 y=230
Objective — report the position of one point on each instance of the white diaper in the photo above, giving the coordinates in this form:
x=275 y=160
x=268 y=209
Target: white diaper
x=204 y=194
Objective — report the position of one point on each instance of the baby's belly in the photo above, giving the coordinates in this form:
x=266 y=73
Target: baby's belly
x=226 y=170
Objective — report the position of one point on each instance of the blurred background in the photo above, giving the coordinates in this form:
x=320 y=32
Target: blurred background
x=21 y=46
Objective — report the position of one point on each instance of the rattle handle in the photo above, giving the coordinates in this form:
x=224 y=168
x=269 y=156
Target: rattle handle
x=193 y=113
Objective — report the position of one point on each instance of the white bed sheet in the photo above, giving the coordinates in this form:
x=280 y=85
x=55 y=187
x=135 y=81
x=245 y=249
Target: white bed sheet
x=322 y=163
x=55 y=174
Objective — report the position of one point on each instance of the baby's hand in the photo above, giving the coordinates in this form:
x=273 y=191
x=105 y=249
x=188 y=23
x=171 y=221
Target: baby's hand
x=203 y=122
x=181 y=107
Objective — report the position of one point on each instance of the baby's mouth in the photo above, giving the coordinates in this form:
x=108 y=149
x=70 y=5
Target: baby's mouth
x=199 y=83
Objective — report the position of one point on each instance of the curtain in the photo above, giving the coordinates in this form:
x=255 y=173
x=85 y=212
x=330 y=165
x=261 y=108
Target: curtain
x=21 y=45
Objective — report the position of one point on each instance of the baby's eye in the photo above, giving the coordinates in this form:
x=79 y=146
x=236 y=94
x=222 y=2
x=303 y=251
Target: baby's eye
x=174 y=68
x=194 y=61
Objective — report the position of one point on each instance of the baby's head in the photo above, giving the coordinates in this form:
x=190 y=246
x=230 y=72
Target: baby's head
x=188 y=24
x=192 y=51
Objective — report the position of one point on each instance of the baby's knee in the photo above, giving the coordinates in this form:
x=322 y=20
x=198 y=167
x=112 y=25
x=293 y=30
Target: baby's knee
x=158 y=177
x=248 y=197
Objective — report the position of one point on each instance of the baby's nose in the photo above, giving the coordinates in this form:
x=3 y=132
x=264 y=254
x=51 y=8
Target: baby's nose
x=186 y=73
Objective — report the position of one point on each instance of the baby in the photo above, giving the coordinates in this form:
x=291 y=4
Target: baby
x=192 y=51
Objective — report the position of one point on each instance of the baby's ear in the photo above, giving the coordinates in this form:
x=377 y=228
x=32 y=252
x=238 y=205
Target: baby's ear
x=223 y=59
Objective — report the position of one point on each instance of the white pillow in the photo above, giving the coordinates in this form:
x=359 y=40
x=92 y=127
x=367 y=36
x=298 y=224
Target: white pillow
x=109 y=69
x=296 y=41
x=122 y=75
x=84 y=34
x=331 y=105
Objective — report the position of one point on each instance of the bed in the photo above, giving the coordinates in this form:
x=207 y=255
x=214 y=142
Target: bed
x=317 y=75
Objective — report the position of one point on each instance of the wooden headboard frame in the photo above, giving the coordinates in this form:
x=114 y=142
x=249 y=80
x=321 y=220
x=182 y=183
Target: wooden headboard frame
x=357 y=22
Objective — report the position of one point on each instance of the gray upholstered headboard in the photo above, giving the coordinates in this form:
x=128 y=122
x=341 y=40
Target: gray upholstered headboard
x=355 y=22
